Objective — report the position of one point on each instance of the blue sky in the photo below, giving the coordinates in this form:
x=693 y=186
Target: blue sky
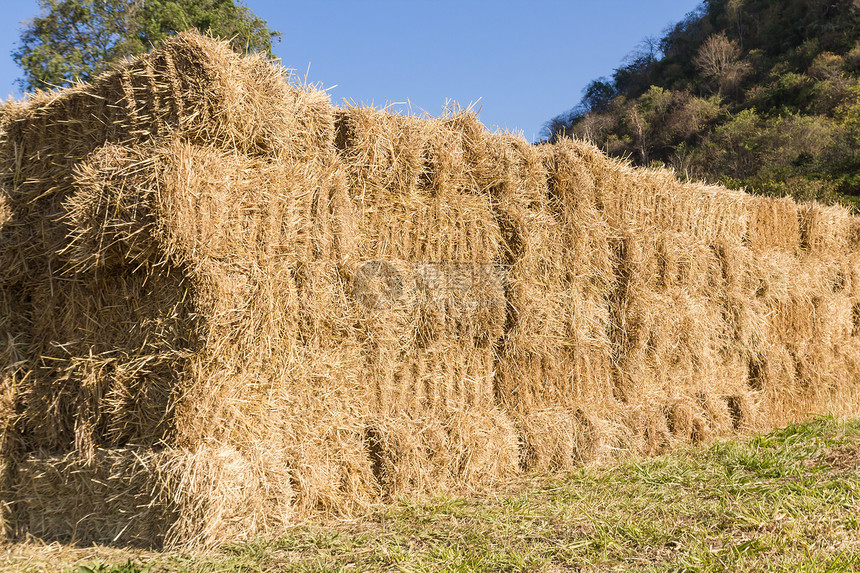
x=522 y=62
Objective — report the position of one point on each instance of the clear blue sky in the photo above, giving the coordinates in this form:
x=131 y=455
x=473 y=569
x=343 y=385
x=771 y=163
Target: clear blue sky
x=523 y=62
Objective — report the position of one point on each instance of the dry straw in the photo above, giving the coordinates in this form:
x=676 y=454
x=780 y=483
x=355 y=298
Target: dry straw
x=226 y=305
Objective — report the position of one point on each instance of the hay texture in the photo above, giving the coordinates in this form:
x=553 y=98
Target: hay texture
x=226 y=305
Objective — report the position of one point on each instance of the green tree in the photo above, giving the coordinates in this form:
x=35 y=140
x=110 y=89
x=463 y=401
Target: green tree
x=77 y=39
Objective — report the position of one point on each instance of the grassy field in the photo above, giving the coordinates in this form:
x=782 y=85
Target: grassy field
x=784 y=501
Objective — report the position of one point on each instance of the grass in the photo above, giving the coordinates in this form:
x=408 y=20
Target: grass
x=785 y=501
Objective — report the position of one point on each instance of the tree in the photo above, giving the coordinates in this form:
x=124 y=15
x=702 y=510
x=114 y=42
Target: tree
x=77 y=39
x=597 y=95
x=718 y=58
x=647 y=117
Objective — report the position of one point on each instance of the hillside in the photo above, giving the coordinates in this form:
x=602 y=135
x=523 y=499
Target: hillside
x=759 y=94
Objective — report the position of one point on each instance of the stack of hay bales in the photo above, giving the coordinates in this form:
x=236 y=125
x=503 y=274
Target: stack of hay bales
x=226 y=304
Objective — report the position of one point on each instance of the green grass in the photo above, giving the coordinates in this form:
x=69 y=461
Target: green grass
x=784 y=501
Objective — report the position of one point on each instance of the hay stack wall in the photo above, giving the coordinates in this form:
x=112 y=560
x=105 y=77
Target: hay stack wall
x=226 y=305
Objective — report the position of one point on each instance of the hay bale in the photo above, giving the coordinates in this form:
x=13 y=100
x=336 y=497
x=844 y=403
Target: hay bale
x=558 y=439
x=774 y=223
x=190 y=85
x=824 y=229
x=707 y=212
x=438 y=453
x=648 y=200
x=5 y=208
x=234 y=306
x=7 y=451
x=146 y=498
x=115 y=498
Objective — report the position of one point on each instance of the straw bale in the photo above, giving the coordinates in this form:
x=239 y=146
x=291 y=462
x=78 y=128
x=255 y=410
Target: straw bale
x=671 y=344
x=426 y=454
x=192 y=85
x=486 y=446
x=835 y=314
x=555 y=349
x=651 y=425
x=222 y=205
x=7 y=449
x=854 y=233
x=843 y=397
x=119 y=364
x=684 y=261
x=223 y=495
x=674 y=334
x=409 y=181
x=303 y=409
x=647 y=200
x=557 y=439
x=850 y=266
x=782 y=372
x=824 y=229
x=660 y=423
x=141 y=497
x=570 y=180
x=584 y=247
x=677 y=327
x=810 y=316
x=328 y=457
x=387 y=152
x=817 y=378
x=667 y=260
x=436 y=379
x=115 y=498
x=5 y=208
x=686 y=421
x=746 y=324
x=780 y=274
x=746 y=411
x=740 y=273
x=533 y=377
x=707 y=212
x=774 y=224
x=715 y=411
x=830 y=273
x=226 y=303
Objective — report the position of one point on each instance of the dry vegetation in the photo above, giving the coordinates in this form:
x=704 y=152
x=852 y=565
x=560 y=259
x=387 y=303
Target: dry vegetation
x=226 y=305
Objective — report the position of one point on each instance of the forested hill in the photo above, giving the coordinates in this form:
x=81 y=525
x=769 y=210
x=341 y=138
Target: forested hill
x=759 y=94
